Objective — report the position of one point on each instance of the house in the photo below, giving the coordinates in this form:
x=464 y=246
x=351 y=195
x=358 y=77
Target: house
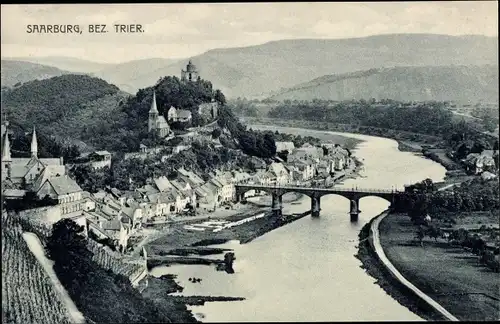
x=113 y=229
x=477 y=163
x=163 y=184
x=304 y=169
x=65 y=190
x=228 y=192
x=184 y=116
x=279 y=173
x=488 y=175
x=134 y=213
x=209 y=196
x=194 y=179
x=178 y=115
x=180 y=148
x=285 y=146
x=258 y=163
x=185 y=190
x=306 y=152
x=323 y=168
x=100 y=159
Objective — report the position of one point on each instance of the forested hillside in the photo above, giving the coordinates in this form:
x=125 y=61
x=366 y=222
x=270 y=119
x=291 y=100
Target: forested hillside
x=467 y=84
x=16 y=72
x=70 y=108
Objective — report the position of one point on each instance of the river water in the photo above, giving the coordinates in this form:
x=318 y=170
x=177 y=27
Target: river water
x=307 y=271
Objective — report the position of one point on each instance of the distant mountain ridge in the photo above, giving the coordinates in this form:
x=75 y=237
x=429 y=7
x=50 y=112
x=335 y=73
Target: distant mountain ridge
x=257 y=71
x=469 y=84
x=14 y=72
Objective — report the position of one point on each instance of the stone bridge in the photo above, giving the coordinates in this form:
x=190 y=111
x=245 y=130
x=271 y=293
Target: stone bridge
x=354 y=195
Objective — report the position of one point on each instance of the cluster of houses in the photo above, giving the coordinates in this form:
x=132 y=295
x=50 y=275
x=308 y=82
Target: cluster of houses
x=484 y=163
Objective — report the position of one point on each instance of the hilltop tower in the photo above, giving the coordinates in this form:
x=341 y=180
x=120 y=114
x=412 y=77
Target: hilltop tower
x=34 y=144
x=191 y=73
x=153 y=114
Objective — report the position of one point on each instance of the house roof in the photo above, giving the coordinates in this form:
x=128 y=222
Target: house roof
x=162 y=183
x=161 y=122
x=183 y=113
x=284 y=146
x=14 y=193
x=102 y=153
x=64 y=185
x=113 y=225
x=48 y=172
x=216 y=182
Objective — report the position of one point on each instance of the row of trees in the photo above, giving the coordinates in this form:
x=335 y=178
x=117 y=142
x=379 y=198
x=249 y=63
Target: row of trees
x=474 y=195
x=427 y=117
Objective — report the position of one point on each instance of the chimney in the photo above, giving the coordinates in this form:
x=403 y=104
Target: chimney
x=61 y=159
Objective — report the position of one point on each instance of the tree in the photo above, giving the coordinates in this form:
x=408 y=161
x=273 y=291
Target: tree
x=420 y=235
x=219 y=97
x=67 y=246
x=216 y=133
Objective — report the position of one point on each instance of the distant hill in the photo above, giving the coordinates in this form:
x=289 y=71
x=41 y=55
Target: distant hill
x=65 y=63
x=467 y=84
x=260 y=70
x=124 y=75
x=257 y=70
x=14 y=72
x=74 y=108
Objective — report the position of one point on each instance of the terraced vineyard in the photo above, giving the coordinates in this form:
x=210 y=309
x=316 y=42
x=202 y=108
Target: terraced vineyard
x=27 y=292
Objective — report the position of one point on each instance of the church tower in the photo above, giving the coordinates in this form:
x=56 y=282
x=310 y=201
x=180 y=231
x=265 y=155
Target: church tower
x=153 y=114
x=34 y=144
x=191 y=73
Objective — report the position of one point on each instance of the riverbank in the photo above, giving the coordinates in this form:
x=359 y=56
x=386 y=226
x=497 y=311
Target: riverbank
x=376 y=269
x=449 y=275
x=409 y=141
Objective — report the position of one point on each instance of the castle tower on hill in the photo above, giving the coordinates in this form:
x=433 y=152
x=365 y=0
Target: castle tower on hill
x=191 y=73
x=156 y=122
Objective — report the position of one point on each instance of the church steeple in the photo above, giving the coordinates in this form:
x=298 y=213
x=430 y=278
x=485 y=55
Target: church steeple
x=6 y=157
x=153 y=114
x=34 y=144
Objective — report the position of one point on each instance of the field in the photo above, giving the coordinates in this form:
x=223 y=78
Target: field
x=450 y=275
x=27 y=292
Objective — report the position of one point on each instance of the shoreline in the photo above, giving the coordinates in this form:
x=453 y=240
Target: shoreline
x=374 y=267
x=466 y=294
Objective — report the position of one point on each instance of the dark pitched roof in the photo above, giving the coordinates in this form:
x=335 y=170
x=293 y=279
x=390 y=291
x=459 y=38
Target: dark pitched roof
x=64 y=185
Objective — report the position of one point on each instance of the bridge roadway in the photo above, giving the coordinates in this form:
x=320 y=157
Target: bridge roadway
x=353 y=194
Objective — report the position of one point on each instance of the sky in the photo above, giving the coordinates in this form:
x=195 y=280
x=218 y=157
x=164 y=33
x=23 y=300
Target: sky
x=184 y=30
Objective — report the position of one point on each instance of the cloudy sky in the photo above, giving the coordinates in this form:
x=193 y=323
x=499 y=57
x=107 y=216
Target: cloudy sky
x=183 y=30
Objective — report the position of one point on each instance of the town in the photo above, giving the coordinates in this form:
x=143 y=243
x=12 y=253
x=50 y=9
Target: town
x=113 y=215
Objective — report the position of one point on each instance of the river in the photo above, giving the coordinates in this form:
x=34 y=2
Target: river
x=307 y=271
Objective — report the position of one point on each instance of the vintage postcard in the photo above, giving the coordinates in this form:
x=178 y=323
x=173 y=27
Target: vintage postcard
x=250 y=162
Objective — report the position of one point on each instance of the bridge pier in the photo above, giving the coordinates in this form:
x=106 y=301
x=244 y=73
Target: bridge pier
x=354 y=210
x=315 y=206
x=277 y=205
